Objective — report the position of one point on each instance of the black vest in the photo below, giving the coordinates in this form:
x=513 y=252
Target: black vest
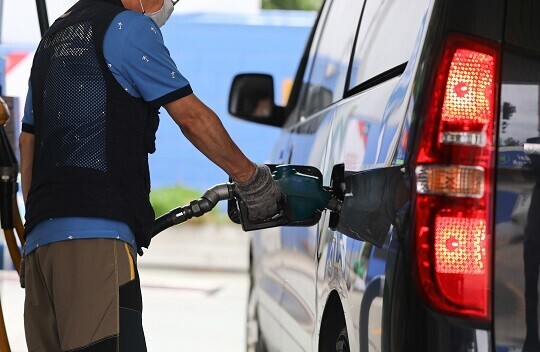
x=92 y=138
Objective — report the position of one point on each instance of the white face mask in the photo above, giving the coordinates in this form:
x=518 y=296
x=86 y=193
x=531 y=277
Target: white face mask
x=162 y=15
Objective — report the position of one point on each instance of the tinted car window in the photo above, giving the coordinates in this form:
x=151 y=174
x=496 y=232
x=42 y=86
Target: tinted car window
x=329 y=70
x=385 y=40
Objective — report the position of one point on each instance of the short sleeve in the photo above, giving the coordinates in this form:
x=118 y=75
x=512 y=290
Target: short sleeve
x=28 y=117
x=143 y=62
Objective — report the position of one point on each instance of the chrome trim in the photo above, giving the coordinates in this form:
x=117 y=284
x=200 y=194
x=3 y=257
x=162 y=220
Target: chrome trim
x=473 y=139
x=531 y=148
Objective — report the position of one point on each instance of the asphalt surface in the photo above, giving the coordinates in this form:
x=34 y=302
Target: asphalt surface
x=194 y=284
x=208 y=247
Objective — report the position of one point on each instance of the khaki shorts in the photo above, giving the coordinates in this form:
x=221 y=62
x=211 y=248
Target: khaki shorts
x=83 y=295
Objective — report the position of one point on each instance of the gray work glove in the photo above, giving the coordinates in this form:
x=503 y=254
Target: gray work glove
x=261 y=195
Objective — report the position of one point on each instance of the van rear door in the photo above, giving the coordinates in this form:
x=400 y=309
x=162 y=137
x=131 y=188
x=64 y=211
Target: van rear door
x=517 y=201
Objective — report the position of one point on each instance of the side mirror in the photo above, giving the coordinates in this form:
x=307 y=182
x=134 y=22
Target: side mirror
x=251 y=98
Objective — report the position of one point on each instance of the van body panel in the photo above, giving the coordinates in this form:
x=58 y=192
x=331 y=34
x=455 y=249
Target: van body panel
x=375 y=128
x=287 y=256
x=308 y=144
x=482 y=18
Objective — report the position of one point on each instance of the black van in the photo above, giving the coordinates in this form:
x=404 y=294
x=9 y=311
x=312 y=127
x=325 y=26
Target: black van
x=424 y=116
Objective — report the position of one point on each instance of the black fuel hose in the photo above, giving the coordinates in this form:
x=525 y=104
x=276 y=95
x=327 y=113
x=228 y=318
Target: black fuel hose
x=6 y=204
x=196 y=208
x=8 y=180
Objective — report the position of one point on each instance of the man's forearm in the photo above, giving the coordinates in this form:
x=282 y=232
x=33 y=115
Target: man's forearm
x=210 y=137
x=204 y=130
x=26 y=145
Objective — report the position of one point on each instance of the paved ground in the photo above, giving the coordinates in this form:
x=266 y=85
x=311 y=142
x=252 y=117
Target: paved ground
x=195 y=287
x=210 y=247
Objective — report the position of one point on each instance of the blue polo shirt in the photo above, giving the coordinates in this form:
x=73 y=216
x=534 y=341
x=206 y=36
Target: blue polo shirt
x=138 y=59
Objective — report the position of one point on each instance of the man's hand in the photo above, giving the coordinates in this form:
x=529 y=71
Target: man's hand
x=261 y=194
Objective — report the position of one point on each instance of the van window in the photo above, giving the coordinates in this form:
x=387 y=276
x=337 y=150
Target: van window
x=386 y=37
x=329 y=71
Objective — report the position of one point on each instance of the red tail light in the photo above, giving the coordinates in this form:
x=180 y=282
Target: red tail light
x=453 y=206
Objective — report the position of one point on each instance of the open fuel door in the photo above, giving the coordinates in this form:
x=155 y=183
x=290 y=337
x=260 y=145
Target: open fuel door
x=371 y=201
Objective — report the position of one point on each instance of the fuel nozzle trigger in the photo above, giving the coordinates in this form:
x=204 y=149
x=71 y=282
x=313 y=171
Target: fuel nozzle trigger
x=304 y=199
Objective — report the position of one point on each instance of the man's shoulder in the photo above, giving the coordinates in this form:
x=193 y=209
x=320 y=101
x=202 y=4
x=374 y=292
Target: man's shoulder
x=128 y=22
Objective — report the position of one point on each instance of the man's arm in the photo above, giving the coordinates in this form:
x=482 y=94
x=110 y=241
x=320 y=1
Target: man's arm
x=26 y=145
x=203 y=128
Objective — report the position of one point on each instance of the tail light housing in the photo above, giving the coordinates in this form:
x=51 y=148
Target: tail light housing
x=454 y=179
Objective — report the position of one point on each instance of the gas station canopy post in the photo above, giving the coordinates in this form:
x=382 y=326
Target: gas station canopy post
x=42 y=16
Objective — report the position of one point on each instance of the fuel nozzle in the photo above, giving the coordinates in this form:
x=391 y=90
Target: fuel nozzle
x=305 y=193
x=305 y=199
x=334 y=205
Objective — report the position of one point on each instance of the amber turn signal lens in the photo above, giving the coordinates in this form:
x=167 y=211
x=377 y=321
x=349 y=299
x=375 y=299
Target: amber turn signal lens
x=454 y=181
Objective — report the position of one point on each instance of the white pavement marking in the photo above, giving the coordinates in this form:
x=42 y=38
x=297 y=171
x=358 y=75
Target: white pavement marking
x=183 y=310
x=199 y=310
x=220 y=247
x=194 y=320
x=12 y=296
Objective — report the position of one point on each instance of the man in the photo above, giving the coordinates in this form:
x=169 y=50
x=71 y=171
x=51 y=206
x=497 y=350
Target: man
x=99 y=76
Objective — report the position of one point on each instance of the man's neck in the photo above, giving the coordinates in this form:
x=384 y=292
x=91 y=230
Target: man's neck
x=149 y=6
